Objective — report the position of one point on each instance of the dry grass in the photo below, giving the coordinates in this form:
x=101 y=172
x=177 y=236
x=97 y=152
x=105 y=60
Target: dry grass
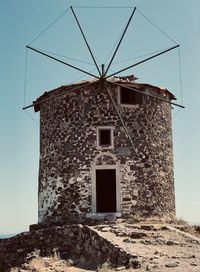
x=105 y=267
x=180 y=221
x=56 y=255
x=46 y=264
x=194 y=230
x=38 y=264
x=14 y=269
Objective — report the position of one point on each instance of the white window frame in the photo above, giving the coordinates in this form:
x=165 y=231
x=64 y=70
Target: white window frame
x=111 y=135
x=135 y=106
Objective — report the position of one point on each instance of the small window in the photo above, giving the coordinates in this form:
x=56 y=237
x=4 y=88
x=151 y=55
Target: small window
x=129 y=97
x=105 y=137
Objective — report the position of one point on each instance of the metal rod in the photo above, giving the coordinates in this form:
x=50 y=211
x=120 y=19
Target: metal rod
x=26 y=107
x=154 y=56
x=60 y=94
x=120 y=117
x=103 y=69
x=72 y=66
x=143 y=93
x=85 y=40
x=120 y=40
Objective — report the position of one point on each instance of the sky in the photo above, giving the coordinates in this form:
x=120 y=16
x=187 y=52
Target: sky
x=25 y=75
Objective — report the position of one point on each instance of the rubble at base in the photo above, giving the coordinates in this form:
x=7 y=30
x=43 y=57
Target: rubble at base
x=144 y=247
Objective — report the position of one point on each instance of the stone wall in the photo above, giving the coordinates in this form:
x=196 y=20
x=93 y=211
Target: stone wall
x=69 y=241
x=69 y=153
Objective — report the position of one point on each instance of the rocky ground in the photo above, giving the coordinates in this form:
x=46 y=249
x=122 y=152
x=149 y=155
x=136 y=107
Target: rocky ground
x=158 y=247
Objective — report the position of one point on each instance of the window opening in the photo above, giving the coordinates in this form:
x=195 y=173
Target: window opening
x=105 y=137
x=129 y=97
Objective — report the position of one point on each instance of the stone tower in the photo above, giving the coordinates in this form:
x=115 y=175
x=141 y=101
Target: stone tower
x=88 y=167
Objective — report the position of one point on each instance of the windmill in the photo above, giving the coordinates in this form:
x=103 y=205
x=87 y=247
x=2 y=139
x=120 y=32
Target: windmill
x=60 y=189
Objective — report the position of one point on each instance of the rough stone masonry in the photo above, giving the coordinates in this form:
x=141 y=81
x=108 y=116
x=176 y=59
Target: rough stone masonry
x=88 y=167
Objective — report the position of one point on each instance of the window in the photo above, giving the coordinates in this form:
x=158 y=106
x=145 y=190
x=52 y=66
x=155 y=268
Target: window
x=129 y=97
x=105 y=137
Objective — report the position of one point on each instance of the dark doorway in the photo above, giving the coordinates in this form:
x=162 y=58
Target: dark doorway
x=106 y=190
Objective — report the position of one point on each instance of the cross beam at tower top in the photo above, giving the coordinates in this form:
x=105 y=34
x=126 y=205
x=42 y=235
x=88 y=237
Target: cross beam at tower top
x=63 y=62
x=120 y=41
x=142 y=61
x=103 y=73
x=84 y=37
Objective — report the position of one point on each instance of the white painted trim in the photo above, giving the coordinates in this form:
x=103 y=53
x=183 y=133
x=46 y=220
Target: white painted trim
x=103 y=215
x=111 y=135
x=124 y=105
x=105 y=153
x=116 y=167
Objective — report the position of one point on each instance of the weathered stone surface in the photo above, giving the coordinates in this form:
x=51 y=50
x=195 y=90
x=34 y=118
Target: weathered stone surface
x=69 y=152
x=138 y=235
x=68 y=240
x=193 y=264
x=106 y=229
x=120 y=268
x=171 y=265
x=147 y=227
x=170 y=243
x=89 y=244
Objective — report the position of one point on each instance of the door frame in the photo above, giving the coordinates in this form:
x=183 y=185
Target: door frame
x=116 y=167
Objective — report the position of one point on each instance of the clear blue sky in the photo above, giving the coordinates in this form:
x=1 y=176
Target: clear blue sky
x=21 y=21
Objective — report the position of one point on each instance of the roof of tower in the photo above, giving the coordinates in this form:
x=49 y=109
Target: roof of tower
x=129 y=80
